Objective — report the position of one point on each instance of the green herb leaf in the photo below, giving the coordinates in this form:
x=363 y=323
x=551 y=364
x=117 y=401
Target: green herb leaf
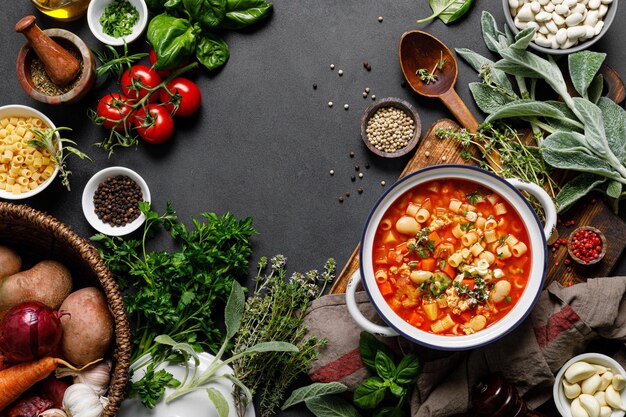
x=151 y=387
x=369 y=347
x=209 y=13
x=514 y=69
x=525 y=108
x=370 y=393
x=576 y=189
x=390 y=412
x=583 y=67
x=234 y=310
x=385 y=367
x=397 y=390
x=523 y=38
x=448 y=11
x=556 y=153
x=408 y=370
x=315 y=390
x=272 y=347
x=490 y=30
x=614 y=118
x=242 y=13
x=331 y=406
x=212 y=51
x=479 y=62
x=489 y=99
x=173 y=40
x=595 y=136
x=594 y=92
x=218 y=400
x=614 y=189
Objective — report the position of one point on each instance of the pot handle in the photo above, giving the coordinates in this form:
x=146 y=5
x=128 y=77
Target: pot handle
x=546 y=202
x=360 y=319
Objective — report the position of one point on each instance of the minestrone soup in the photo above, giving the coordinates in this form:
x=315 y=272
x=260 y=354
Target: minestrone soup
x=451 y=257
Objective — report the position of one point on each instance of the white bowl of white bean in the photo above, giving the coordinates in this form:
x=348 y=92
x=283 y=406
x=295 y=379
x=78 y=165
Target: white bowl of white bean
x=24 y=170
x=562 y=26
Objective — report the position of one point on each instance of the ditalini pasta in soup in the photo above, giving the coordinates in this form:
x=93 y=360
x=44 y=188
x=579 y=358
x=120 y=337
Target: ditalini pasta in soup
x=451 y=257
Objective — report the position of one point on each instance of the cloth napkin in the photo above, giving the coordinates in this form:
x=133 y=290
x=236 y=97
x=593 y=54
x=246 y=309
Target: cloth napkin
x=563 y=322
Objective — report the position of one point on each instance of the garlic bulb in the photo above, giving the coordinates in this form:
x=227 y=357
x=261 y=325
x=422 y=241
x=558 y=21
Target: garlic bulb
x=52 y=412
x=80 y=400
x=97 y=377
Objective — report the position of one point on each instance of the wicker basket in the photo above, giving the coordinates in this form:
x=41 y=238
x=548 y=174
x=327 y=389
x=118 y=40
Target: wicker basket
x=37 y=236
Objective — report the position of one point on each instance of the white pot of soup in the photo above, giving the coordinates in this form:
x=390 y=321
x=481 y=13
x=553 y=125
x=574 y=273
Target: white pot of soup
x=453 y=257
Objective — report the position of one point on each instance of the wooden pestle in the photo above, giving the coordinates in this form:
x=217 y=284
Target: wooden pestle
x=59 y=64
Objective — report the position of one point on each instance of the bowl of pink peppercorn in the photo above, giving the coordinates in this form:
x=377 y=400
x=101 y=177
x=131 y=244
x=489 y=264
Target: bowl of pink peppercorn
x=586 y=245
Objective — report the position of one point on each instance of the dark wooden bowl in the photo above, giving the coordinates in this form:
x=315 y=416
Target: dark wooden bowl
x=399 y=104
x=577 y=259
x=67 y=40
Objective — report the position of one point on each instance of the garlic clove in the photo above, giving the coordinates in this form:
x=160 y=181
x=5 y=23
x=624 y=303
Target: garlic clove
x=605 y=380
x=601 y=369
x=577 y=409
x=591 y=384
x=80 y=400
x=600 y=397
x=605 y=411
x=52 y=412
x=571 y=391
x=579 y=371
x=618 y=382
x=613 y=399
x=590 y=404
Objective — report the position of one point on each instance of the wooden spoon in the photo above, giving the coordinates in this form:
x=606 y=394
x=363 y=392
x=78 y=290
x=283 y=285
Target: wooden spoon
x=422 y=50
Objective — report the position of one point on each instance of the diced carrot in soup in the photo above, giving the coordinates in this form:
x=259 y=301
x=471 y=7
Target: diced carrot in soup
x=423 y=277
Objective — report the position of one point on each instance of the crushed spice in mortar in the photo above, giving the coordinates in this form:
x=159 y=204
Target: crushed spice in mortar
x=43 y=83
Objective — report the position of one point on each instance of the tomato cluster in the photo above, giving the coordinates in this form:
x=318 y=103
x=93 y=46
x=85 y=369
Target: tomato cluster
x=148 y=104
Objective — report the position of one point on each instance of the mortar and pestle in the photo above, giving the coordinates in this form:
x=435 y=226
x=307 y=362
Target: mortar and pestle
x=74 y=75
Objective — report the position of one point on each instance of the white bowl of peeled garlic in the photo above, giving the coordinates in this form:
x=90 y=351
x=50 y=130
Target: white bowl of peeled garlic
x=590 y=385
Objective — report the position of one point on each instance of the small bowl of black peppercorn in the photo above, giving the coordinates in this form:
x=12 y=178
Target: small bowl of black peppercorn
x=111 y=201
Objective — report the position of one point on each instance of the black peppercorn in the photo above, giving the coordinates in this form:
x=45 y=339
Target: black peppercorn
x=116 y=199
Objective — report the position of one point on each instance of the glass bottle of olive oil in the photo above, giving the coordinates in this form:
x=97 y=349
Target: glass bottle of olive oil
x=62 y=9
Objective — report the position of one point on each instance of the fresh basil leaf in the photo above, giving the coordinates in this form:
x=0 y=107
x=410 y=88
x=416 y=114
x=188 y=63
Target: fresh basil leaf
x=594 y=125
x=567 y=150
x=525 y=108
x=583 y=67
x=478 y=62
x=614 y=189
x=368 y=347
x=594 y=92
x=242 y=13
x=397 y=390
x=576 y=189
x=487 y=98
x=370 y=393
x=209 y=13
x=212 y=51
x=173 y=40
x=218 y=400
x=156 y=6
x=234 y=310
x=389 y=412
x=172 y=4
x=408 y=369
x=523 y=38
x=514 y=69
x=331 y=406
x=385 y=367
x=448 y=11
x=614 y=118
x=315 y=390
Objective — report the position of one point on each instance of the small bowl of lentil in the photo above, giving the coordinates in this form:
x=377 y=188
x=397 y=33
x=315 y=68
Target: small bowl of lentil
x=111 y=198
x=586 y=245
x=390 y=127
x=115 y=22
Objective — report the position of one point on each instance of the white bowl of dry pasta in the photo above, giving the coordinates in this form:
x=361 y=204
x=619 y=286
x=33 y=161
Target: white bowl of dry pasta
x=24 y=170
x=453 y=257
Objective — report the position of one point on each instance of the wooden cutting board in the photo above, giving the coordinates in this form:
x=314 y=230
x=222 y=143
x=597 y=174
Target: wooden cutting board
x=590 y=212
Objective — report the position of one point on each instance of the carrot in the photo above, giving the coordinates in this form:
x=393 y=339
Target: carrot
x=434 y=236
x=385 y=288
x=428 y=264
x=468 y=283
x=450 y=271
x=14 y=381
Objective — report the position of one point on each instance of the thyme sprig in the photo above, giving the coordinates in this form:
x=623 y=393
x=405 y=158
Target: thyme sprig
x=46 y=139
x=275 y=311
x=430 y=76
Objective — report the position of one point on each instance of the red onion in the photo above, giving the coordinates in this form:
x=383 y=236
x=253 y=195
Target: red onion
x=53 y=389
x=29 y=331
x=29 y=406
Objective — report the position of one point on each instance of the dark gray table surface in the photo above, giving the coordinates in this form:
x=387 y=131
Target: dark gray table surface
x=264 y=141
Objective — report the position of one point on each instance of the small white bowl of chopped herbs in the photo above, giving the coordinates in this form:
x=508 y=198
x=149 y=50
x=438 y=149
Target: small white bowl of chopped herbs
x=115 y=22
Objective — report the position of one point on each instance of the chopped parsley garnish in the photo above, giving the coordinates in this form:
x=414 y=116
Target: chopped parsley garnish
x=413 y=264
x=480 y=293
x=442 y=263
x=436 y=285
x=119 y=18
x=507 y=299
x=467 y=226
x=491 y=216
x=502 y=239
x=474 y=198
x=422 y=244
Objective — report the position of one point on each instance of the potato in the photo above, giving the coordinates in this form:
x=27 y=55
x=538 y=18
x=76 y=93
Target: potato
x=48 y=282
x=10 y=262
x=87 y=326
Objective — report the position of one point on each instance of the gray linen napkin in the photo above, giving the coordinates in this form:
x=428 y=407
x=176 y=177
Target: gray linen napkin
x=560 y=326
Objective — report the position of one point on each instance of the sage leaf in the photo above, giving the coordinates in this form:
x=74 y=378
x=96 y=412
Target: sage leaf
x=448 y=11
x=490 y=31
x=567 y=141
x=614 y=118
x=272 y=347
x=594 y=125
x=509 y=35
x=234 y=310
x=548 y=70
x=614 y=189
x=514 y=69
x=212 y=51
x=370 y=393
x=242 y=13
x=487 y=98
x=315 y=390
x=331 y=406
x=583 y=67
x=368 y=347
x=218 y=400
x=523 y=38
x=525 y=108
x=385 y=368
x=594 y=92
x=244 y=389
x=576 y=189
x=571 y=158
x=408 y=369
x=479 y=62
x=569 y=122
